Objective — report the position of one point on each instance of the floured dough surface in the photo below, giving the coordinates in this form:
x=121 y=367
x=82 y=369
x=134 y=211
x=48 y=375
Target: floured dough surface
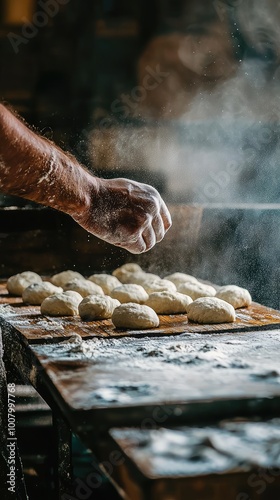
x=197 y=290
x=235 y=295
x=83 y=287
x=62 y=304
x=95 y=307
x=179 y=278
x=106 y=281
x=130 y=293
x=210 y=310
x=124 y=271
x=64 y=277
x=158 y=285
x=141 y=277
x=133 y=274
x=16 y=284
x=168 y=302
x=135 y=316
x=37 y=292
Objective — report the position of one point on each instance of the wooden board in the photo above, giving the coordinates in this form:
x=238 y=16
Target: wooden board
x=186 y=451
x=152 y=381
x=218 y=461
x=35 y=327
x=118 y=377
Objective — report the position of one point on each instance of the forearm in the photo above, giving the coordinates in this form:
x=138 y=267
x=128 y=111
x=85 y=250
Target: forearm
x=34 y=168
x=122 y=212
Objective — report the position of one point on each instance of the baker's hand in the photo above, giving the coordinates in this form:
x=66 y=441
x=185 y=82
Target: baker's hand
x=122 y=212
x=127 y=214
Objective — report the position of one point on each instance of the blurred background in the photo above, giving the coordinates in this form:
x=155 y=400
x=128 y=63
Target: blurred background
x=182 y=94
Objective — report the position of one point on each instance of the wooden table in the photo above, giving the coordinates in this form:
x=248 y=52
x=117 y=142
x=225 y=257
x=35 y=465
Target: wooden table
x=96 y=378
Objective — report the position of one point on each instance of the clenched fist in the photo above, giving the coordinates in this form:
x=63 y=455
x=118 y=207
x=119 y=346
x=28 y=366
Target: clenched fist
x=127 y=214
x=122 y=212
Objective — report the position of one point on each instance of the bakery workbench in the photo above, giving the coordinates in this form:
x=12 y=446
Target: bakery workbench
x=96 y=379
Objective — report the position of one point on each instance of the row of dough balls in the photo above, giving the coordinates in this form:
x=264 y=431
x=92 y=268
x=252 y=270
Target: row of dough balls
x=142 y=295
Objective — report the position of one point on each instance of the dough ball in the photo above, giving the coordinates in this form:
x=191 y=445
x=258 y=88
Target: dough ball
x=106 y=281
x=96 y=307
x=61 y=279
x=235 y=295
x=135 y=316
x=36 y=293
x=17 y=283
x=210 y=310
x=123 y=272
x=196 y=290
x=158 y=285
x=179 y=278
x=83 y=287
x=130 y=293
x=140 y=278
x=168 y=302
x=62 y=304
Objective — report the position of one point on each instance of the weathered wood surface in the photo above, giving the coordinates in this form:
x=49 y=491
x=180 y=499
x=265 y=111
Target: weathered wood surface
x=35 y=327
x=186 y=451
x=225 y=460
x=189 y=367
x=113 y=377
x=152 y=381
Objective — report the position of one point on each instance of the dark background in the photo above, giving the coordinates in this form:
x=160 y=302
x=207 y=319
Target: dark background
x=65 y=79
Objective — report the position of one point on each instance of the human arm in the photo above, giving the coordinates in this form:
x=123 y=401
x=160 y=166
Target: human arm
x=122 y=212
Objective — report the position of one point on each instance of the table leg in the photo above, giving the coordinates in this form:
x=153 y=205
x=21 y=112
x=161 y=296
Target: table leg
x=63 y=458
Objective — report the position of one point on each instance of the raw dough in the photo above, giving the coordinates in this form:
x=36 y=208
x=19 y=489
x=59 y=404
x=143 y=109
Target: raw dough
x=135 y=316
x=62 y=304
x=64 y=277
x=83 y=287
x=158 y=285
x=106 y=281
x=179 y=278
x=140 y=278
x=130 y=293
x=17 y=283
x=168 y=302
x=196 y=290
x=210 y=310
x=37 y=292
x=235 y=295
x=96 y=307
x=124 y=271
